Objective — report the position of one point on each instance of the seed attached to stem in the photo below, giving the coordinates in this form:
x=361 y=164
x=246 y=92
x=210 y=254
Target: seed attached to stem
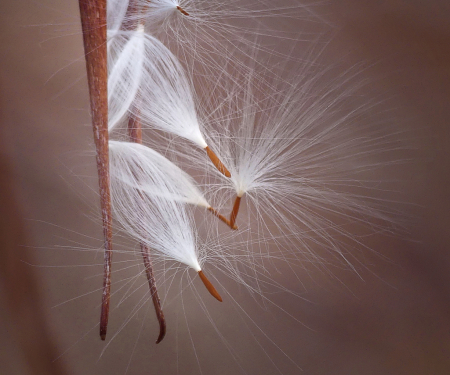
x=235 y=211
x=182 y=10
x=217 y=163
x=209 y=286
x=223 y=218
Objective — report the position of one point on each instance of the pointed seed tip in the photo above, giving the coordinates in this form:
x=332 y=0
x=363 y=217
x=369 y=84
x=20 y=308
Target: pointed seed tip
x=182 y=10
x=209 y=286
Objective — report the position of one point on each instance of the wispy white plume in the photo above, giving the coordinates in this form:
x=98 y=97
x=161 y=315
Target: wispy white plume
x=116 y=12
x=146 y=171
x=163 y=225
x=143 y=170
x=302 y=158
x=206 y=31
x=165 y=99
x=147 y=81
x=125 y=69
x=300 y=151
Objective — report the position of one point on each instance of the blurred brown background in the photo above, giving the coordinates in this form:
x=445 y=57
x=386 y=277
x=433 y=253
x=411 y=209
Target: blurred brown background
x=394 y=319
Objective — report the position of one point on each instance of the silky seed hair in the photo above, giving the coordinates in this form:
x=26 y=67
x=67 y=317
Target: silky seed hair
x=302 y=159
x=202 y=31
x=146 y=171
x=148 y=82
x=163 y=225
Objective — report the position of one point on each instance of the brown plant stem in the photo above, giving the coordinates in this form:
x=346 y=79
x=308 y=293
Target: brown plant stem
x=217 y=163
x=134 y=130
x=222 y=218
x=93 y=21
x=209 y=286
x=145 y=251
x=235 y=210
x=135 y=134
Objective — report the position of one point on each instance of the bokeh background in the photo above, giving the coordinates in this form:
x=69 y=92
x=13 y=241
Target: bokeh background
x=391 y=318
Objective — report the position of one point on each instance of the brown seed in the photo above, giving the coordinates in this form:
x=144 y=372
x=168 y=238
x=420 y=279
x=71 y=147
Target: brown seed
x=217 y=163
x=209 y=286
x=235 y=210
x=222 y=218
x=182 y=10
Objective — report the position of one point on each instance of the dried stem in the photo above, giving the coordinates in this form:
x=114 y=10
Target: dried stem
x=135 y=134
x=217 y=163
x=235 y=210
x=154 y=292
x=134 y=130
x=209 y=286
x=93 y=21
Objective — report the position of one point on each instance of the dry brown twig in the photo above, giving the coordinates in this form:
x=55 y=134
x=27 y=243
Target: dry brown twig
x=93 y=21
x=135 y=135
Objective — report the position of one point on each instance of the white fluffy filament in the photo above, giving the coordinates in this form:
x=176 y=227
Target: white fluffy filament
x=146 y=171
x=206 y=31
x=125 y=70
x=304 y=161
x=116 y=12
x=146 y=79
x=161 y=224
x=141 y=169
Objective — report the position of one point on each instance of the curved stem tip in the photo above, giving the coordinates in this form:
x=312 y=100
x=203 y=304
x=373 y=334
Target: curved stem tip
x=209 y=286
x=154 y=292
x=217 y=163
x=135 y=134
